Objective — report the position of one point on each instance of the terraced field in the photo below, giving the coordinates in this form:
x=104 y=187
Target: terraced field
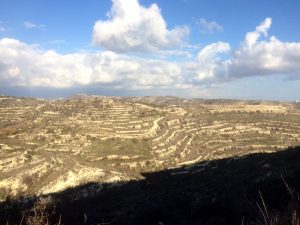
x=47 y=146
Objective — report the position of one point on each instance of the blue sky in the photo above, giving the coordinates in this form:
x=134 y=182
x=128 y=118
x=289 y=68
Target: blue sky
x=209 y=49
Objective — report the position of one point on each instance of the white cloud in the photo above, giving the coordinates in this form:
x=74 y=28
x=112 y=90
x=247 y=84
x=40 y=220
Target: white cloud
x=268 y=56
x=57 y=41
x=209 y=65
x=30 y=25
x=210 y=52
x=133 y=27
x=209 y=27
x=25 y=65
x=258 y=55
x=252 y=37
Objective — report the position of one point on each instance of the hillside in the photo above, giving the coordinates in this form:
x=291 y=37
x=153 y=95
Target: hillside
x=90 y=144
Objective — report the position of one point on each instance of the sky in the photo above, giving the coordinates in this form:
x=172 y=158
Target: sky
x=233 y=49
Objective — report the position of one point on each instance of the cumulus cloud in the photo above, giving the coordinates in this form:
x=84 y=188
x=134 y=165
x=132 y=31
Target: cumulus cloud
x=258 y=55
x=210 y=52
x=252 y=37
x=261 y=55
x=25 y=65
x=209 y=63
x=209 y=27
x=133 y=27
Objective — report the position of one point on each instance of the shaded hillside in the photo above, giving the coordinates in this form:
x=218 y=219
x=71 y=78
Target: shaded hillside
x=224 y=191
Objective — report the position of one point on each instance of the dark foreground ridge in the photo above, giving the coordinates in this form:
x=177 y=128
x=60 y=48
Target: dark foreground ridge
x=224 y=191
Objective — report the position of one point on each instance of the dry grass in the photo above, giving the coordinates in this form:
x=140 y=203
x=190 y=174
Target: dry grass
x=291 y=216
x=39 y=215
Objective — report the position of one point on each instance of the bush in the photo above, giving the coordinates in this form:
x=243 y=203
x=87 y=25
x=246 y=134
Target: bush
x=39 y=215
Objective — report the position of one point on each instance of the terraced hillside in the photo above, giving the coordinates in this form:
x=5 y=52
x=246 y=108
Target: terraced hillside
x=47 y=146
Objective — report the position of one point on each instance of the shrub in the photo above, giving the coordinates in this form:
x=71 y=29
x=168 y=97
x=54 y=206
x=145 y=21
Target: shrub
x=39 y=215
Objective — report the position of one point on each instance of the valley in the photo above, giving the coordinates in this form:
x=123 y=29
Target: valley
x=48 y=146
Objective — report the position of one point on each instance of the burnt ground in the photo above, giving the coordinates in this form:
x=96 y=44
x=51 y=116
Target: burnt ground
x=224 y=191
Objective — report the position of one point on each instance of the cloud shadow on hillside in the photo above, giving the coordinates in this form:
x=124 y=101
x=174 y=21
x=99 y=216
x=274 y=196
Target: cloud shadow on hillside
x=224 y=191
